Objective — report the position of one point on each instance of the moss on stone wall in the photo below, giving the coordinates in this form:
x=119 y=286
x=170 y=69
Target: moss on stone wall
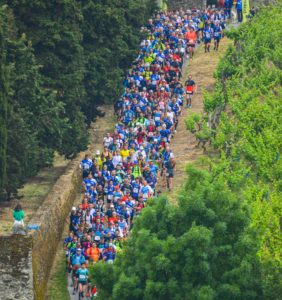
x=51 y=219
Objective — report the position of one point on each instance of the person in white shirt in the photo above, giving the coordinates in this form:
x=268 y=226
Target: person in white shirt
x=108 y=140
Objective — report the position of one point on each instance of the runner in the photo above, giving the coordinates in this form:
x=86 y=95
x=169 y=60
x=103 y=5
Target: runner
x=82 y=275
x=191 y=37
x=217 y=34
x=170 y=166
x=207 y=37
x=191 y=87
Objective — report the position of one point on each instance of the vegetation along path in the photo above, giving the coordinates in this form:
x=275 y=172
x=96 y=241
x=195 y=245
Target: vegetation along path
x=184 y=144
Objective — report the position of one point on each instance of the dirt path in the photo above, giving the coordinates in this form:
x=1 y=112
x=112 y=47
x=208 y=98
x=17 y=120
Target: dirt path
x=201 y=67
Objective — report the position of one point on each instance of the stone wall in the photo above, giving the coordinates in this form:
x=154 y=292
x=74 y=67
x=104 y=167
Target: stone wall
x=26 y=261
x=186 y=4
x=16 y=280
x=51 y=219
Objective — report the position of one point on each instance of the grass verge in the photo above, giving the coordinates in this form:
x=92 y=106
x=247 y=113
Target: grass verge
x=58 y=281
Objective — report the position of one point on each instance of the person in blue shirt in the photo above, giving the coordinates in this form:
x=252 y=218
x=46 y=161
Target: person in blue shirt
x=152 y=181
x=165 y=133
x=88 y=182
x=227 y=8
x=217 y=35
x=109 y=254
x=153 y=168
x=128 y=115
x=78 y=259
x=239 y=7
x=86 y=165
x=207 y=37
x=82 y=277
x=109 y=191
x=135 y=188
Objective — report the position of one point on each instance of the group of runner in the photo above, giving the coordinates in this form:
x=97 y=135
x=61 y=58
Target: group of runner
x=119 y=180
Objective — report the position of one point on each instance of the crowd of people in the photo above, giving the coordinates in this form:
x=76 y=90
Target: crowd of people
x=137 y=159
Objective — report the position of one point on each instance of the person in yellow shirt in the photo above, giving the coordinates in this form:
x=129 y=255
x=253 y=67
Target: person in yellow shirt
x=98 y=159
x=124 y=152
x=147 y=73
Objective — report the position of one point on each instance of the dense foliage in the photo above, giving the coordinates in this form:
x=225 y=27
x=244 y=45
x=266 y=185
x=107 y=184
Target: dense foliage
x=59 y=61
x=223 y=239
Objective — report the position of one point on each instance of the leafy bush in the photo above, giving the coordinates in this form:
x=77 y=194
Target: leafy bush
x=192 y=121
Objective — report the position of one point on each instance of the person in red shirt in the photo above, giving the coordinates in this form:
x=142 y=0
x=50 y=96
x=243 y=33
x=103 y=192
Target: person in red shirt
x=191 y=87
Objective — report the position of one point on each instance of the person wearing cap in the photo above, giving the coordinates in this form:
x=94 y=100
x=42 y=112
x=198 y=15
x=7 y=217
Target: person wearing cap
x=77 y=260
x=73 y=220
x=98 y=159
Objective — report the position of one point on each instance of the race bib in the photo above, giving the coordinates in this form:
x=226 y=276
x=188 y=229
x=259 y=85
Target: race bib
x=82 y=276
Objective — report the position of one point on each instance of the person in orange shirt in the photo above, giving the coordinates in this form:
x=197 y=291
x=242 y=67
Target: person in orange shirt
x=191 y=37
x=84 y=205
x=113 y=218
x=93 y=253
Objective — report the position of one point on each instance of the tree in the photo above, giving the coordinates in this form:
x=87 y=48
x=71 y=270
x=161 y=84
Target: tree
x=4 y=79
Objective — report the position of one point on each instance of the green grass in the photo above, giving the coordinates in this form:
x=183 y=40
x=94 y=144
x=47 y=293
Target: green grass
x=57 y=285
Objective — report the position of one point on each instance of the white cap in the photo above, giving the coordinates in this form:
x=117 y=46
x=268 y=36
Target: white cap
x=98 y=152
x=73 y=208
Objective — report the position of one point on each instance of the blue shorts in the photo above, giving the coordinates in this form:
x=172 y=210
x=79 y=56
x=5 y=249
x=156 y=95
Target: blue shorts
x=207 y=41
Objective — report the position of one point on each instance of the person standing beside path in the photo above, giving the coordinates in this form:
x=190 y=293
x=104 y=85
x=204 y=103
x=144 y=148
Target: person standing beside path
x=191 y=87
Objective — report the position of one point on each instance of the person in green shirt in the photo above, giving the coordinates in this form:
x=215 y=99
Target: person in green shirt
x=18 y=214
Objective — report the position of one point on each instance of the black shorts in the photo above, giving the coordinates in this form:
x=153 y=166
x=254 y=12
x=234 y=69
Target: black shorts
x=170 y=174
x=189 y=93
x=191 y=45
x=83 y=282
